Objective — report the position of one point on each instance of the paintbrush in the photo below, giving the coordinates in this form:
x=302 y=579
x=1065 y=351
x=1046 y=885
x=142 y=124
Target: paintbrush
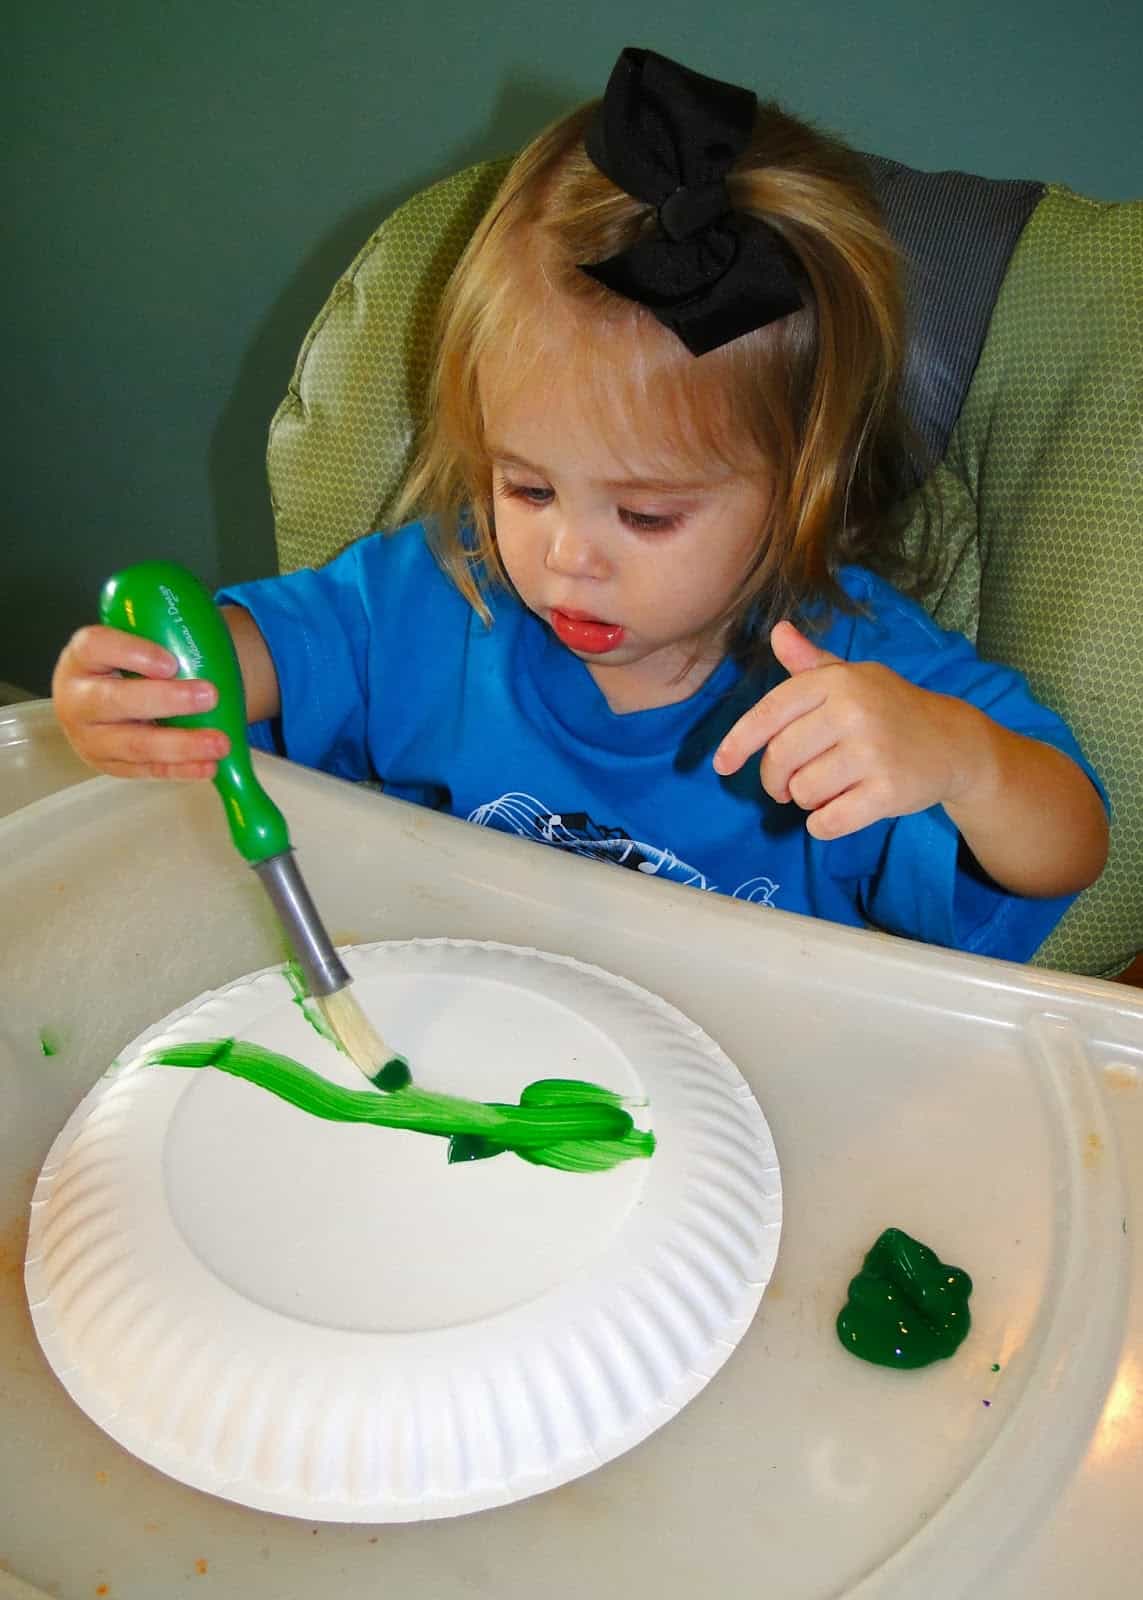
x=161 y=600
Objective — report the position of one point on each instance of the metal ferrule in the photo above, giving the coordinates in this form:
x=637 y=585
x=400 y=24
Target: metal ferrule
x=312 y=945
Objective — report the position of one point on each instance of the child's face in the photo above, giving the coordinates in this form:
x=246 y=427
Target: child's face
x=629 y=561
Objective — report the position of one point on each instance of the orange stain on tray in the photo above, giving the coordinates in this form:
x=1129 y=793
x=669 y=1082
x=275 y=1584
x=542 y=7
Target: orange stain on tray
x=13 y=1243
x=200 y=1567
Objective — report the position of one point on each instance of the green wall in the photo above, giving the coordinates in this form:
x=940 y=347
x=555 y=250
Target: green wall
x=185 y=181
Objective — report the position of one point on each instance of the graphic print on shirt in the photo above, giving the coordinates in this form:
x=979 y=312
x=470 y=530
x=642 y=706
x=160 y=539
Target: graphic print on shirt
x=575 y=831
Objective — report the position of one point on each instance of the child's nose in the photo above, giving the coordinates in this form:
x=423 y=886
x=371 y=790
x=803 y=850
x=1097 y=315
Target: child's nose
x=573 y=552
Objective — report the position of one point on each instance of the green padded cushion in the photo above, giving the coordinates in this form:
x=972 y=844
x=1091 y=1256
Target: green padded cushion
x=341 y=439
x=1049 y=445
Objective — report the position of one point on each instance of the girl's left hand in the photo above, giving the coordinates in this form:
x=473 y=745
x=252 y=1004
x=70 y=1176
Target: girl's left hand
x=848 y=741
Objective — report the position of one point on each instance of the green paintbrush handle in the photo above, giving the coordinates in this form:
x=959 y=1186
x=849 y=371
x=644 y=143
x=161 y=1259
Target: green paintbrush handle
x=162 y=601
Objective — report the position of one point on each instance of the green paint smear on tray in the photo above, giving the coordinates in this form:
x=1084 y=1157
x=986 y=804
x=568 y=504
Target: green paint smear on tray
x=49 y=1043
x=906 y=1307
x=559 y=1122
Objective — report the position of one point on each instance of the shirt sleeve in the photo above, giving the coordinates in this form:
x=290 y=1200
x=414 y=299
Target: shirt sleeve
x=317 y=630
x=914 y=875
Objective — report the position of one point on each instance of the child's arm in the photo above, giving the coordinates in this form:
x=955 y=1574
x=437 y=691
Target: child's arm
x=109 y=719
x=852 y=742
x=1029 y=814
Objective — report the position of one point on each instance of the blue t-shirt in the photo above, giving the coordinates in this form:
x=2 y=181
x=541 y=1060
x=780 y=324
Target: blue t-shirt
x=387 y=673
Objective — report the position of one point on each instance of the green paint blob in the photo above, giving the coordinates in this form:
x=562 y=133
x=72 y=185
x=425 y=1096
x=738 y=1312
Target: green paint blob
x=572 y=1155
x=49 y=1043
x=395 y=1074
x=559 y=1122
x=906 y=1308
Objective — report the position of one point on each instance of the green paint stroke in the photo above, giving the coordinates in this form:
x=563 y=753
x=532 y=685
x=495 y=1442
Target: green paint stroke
x=559 y=1122
x=296 y=980
x=906 y=1307
x=49 y=1043
x=394 y=1074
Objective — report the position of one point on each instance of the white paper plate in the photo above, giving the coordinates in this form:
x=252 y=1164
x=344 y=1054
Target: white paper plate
x=328 y=1321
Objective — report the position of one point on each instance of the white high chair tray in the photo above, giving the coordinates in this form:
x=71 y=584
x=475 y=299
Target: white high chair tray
x=35 y=758
x=994 y=1112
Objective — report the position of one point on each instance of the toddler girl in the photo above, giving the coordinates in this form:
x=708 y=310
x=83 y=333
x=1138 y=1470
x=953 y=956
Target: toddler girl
x=660 y=485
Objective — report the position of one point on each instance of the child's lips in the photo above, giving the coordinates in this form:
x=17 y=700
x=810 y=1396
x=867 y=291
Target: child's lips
x=585 y=633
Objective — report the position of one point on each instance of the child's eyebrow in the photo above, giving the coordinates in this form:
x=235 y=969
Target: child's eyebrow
x=668 y=485
x=661 y=485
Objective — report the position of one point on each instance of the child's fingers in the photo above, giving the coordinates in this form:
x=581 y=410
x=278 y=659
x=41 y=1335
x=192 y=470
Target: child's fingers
x=807 y=687
x=176 y=771
x=143 y=744
x=108 y=699
x=100 y=649
x=822 y=779
x=797 y=653
x=767 y=717
x=110 y=719
x=857 y=808
x=791 y=751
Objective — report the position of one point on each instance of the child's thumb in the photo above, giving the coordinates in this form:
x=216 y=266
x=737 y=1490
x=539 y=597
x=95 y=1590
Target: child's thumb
x=795 y=652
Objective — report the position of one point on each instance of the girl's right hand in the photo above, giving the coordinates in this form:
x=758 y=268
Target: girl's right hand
x=109 y=719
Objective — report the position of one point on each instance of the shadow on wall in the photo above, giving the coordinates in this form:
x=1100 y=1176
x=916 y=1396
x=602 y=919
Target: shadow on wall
x=243 y=521
x=30 y=598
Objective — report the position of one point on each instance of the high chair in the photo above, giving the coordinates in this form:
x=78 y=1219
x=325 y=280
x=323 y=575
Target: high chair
x=1026 y=377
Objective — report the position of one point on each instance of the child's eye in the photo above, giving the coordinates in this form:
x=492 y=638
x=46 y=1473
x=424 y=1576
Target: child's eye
x=533 y=494
x=649 y=521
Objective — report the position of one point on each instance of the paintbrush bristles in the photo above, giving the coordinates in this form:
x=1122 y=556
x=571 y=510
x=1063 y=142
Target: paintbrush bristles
x=361 y=1042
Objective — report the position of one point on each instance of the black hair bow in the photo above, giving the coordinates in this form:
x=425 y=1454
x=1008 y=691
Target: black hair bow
x=669 y=136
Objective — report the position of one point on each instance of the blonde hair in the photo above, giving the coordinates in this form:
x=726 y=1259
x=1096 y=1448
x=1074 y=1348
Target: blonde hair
x=810 y=400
